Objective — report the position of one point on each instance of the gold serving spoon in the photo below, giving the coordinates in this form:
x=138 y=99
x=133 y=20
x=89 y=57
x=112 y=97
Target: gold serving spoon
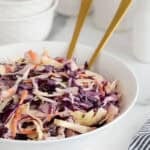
x=84 y=8
x=121 y=12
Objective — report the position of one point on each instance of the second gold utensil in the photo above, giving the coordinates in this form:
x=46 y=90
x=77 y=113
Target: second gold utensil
x=85 y=6
x=124 y=5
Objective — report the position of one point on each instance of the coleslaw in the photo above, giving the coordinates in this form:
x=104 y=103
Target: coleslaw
x=44 y=98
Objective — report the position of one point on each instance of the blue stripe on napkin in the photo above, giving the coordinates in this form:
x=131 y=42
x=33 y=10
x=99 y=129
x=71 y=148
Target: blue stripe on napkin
x=141 y=140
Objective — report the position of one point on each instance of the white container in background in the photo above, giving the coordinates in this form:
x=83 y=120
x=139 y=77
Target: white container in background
x=104 y=10
x=141 y=31
x=69 y=7
x=22 y=8
x=32 y=28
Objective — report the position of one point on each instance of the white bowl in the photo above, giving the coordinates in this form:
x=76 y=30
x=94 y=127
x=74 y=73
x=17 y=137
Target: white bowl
x=109 y=66
x=22 y=8
x=33 y=28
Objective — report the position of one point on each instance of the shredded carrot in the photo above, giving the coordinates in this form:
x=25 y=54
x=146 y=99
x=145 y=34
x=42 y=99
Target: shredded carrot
x=9 y=68
x=49 y=117
x=32 y=55
x=11 y=91
x=26 y=131
x=24 y=95
x=36 y=66
x=17 y=115
x=101 y=90
x=82 y=75
x=15 y=120
x=27 y=81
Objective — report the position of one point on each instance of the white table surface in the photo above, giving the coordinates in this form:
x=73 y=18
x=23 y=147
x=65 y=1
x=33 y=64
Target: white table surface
x=120 y=45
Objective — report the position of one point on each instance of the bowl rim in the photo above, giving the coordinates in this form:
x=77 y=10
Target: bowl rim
x=21 y=2
x=52 y=8
x=136 y=94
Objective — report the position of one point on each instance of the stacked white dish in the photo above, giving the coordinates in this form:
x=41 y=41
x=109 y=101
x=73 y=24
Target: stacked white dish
x=26 y=20
x=104 y=10
x=69 y=7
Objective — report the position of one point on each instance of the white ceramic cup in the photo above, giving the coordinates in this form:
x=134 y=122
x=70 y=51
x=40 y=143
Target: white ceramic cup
x=22 y=8
x=32 y=28
x=69 y=7
x=141 y=31
x=110 y=67
x=104 y=10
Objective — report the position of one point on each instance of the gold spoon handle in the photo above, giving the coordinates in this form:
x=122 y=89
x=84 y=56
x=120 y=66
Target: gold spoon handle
x=124 y=5
x=85 y=6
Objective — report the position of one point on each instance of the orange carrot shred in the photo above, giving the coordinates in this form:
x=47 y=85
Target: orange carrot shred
x=17 y=115
x=29 y=132
x=14 y=122
x=49 y=117
x=24 y=95
x=36 y=66
x=11 y=91
x=8 y=68
x=32 y=54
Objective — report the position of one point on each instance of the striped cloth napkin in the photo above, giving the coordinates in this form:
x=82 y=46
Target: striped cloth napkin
x=141 y=140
